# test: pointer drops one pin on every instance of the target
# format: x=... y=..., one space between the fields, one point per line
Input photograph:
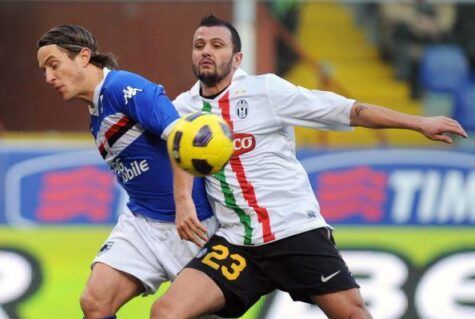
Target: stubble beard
x=211 y=78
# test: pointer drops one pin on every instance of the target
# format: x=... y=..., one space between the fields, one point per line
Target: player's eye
x=218 y=45
x=52 y=64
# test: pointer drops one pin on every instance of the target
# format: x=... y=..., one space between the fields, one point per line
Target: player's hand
x=188 y=225
x=435 y=128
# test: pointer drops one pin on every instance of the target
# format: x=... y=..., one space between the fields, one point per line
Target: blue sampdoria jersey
x=128 y=117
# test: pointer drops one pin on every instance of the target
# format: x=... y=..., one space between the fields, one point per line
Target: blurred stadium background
x=403 y=207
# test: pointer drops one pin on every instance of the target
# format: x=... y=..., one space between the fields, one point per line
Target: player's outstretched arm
x=434 y=128
x=188 y=225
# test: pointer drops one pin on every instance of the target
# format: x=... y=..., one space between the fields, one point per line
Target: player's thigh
x=110 y=286
x=342 y=304
x=145 y=249
x=193 y=293
x=238 y=271
x=309 y=264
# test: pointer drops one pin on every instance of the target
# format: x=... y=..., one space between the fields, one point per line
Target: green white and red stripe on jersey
x=247 y=188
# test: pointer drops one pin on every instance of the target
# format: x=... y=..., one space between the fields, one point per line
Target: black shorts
x=303 y=265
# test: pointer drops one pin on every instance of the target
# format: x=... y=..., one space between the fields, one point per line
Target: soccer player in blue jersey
x=129 y=115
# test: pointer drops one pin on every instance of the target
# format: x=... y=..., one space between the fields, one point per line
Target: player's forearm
x=374 y=116
x=182 y=183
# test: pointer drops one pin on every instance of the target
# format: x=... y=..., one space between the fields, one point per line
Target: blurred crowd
x=431 y=45
x=406 y=29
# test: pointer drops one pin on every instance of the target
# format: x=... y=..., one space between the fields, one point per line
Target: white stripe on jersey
x=119 y=145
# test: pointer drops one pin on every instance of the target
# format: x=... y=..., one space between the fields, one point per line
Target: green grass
x=66 y=252
x=419 y=245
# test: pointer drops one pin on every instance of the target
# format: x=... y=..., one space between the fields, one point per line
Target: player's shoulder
x=187 y=96
x=259 y=82
x=271 y=77
x=259 y=78
x=182 y=97
x=181 y=100
x=121 y=79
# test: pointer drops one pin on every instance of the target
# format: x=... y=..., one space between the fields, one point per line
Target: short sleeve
x=298 y=106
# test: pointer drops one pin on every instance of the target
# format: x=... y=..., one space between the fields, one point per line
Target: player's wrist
x=417 y=123
x=182 y=195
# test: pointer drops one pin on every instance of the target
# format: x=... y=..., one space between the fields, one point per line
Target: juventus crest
x=242 y=109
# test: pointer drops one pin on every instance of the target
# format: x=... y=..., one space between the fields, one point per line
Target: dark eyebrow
x=212 y=39
x=42 y=66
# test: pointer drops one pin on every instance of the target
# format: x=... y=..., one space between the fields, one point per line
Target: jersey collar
x=195 y=90
x=94 y=108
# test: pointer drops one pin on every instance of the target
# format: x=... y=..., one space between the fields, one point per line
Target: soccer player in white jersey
x=129 y=114
x=272 y=234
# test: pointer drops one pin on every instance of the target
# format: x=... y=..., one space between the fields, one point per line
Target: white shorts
x=149 y=250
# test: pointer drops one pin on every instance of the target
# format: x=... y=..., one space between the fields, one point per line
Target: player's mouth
x=59 y=88
x=206 y=63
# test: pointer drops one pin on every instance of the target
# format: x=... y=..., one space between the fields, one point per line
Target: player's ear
x=237 y=58
x=84 y=56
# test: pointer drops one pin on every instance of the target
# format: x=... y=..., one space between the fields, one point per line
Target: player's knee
x=164 y=309
x=93 y=306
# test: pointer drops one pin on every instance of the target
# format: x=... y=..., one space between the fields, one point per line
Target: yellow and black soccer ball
x=200 y=143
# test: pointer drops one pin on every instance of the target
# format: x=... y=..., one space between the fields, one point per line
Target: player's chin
x=207 y=72
x=67 y=97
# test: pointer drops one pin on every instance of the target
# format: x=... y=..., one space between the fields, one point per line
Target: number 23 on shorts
x=220 y=253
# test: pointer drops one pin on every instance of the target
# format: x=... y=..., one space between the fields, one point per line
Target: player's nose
x=206 y=50
x=49 y=76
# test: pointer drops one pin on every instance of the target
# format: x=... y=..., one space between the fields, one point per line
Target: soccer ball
x=200 y=143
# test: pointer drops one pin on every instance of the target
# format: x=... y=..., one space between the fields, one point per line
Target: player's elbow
x=356 y=114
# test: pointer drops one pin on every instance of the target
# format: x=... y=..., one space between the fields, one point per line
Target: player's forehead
x=49 y=52
x=215 y=32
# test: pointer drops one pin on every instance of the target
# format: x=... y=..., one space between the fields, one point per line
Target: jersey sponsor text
x=135 y=169
x=243 y=143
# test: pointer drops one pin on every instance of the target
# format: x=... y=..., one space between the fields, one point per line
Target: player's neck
x=213 y=90
x=93 y=76
x=213 y=95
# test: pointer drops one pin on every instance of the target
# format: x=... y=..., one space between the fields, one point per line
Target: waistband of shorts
x=159 y=221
